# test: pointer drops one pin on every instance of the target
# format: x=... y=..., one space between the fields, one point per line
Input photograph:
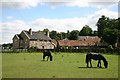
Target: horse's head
x=106 y=64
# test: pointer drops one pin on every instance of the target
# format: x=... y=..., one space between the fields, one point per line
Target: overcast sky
x=59 y=15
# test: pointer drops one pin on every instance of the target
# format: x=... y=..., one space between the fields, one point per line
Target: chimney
x=30 y=31
x=48 y=33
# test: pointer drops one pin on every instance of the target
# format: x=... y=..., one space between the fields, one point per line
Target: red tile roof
x=89 y=41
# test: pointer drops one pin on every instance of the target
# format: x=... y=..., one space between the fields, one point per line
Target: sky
x=58 y=15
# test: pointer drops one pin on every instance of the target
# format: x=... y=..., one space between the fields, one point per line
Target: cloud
x=21 y=4
x=60 y=24
x=92 y=19
x=79 y=3
x=10 y=28
x=73 y=23
x=9 y=17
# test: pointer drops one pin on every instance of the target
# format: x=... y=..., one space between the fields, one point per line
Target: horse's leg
x=98 y=63
x=47 y=58
x=51 y=58
x=90 y=63
x=43 y=57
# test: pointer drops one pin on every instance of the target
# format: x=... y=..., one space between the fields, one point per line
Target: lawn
x=64 y=65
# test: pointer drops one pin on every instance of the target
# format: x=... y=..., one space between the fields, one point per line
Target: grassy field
x=64 y=65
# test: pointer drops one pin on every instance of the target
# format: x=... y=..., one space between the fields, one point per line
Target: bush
x=32 y=49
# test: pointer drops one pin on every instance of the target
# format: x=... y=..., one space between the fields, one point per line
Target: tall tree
x=101 y=24
x=108 y=30
x=86 y=31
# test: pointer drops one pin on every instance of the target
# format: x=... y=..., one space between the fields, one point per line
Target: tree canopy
x=109 y=29
x=86 y=31
x=73 y=35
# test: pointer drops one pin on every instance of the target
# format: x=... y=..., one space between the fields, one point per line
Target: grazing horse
x=98 y=57
x=48 y=54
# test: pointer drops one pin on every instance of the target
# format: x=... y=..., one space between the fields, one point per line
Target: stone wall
x=41 y=44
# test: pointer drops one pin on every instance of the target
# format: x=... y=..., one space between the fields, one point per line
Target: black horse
x=48 y=54
x=98 y=57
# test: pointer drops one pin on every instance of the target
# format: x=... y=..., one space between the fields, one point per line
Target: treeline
x=7 y=46
x=72 y=35
x=107 y=29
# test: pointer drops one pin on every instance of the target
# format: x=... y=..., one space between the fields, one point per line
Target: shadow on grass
x=44 y=60
x=92 y=67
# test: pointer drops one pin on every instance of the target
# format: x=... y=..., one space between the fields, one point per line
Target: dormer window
x=45 y=40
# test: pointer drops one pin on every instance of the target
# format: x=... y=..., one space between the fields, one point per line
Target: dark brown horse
x=48 y=54
x=98 y=57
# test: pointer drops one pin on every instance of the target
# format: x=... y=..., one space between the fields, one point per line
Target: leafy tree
x=101 y=24
x=8 y=45
x=86 y=31
x=46 y=31
x=59 y=36
x=109 y=30
x=110 y=36
x=68 y=33
x=73 y=35
x=118 y=23
x=53 y=35
x=63 y=35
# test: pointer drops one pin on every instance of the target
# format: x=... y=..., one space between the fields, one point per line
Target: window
x=21 y=41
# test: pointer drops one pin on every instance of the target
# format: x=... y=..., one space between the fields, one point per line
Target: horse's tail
x=87 y=58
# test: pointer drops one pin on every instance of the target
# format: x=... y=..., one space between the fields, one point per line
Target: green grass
x=64 y=65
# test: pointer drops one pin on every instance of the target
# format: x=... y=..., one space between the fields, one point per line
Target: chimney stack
x=48 y=33
x=30 y=31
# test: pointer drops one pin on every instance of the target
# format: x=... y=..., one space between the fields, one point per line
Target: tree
x=118 y=23
x=94 y=33
x=53 y=35
x=108 y=30
x=110 y=36
x=68 y=33
x=86 y=31
x=101 y=24
x=73 y=35
x=63 y=35
x=59 y=36
x=7 y=46
x=46 y=31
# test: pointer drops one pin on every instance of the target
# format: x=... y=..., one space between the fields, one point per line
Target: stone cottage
x=27 y=39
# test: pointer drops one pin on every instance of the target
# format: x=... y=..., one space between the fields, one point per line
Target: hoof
x=100 y=67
